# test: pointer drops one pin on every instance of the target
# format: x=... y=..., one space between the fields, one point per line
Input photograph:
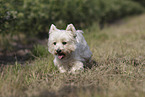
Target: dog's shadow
x=91 y=64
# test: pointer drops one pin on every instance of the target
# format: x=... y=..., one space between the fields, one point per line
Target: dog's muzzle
x=60 y=54
x=58 y=51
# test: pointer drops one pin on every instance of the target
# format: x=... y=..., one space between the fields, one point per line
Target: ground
x=119 y=53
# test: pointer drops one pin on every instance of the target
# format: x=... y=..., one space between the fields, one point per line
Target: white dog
x=69 y=48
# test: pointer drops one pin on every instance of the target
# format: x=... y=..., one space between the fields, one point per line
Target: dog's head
x=62 y=42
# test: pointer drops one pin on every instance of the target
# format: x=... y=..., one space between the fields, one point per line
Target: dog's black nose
x=58 y=51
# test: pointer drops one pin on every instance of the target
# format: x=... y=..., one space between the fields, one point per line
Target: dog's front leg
x=60 y=68
x=77 y=67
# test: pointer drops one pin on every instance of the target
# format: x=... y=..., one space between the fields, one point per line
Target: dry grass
x=119 y=51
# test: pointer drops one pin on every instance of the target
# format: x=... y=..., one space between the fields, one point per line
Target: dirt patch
x=20 y=52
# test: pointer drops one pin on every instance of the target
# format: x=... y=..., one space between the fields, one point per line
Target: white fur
x=76 y=51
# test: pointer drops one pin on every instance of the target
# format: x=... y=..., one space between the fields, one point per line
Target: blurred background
x=25 y=23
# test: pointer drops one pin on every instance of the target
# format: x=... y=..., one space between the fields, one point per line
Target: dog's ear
x=52 y=28
x=71 y=28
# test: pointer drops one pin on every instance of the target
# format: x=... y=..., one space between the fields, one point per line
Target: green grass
x=119 y=51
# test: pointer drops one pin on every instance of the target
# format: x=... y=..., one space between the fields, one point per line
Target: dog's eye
x=64 y=43
x=54 y=43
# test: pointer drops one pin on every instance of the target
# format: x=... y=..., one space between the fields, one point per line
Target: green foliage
x=115 y=9
x=6 y=17
x=142 y=2
x=33 y=16
x=40 y=51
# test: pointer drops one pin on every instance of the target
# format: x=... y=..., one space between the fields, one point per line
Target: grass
x=119 y=51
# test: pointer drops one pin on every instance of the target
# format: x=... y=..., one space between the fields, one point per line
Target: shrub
x=6 y=17
x=115 y=9
x=34 y=16
x=142 y=2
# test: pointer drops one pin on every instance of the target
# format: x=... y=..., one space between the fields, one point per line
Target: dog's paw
x=75 y=70
x=61 y=70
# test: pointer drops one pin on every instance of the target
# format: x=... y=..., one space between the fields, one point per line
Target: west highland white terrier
x=69 y=48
